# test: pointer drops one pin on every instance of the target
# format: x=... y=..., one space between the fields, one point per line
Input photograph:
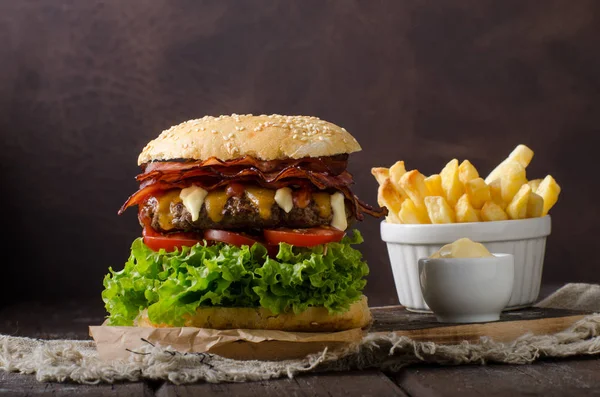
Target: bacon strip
x=213 y=173
x=333 y=165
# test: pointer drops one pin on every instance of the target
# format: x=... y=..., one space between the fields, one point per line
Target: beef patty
x=237 y=213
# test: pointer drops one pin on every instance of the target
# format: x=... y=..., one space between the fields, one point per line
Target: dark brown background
x=85 y=84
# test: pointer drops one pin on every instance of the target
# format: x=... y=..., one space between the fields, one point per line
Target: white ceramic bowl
x=525 y=239
x=467 y=290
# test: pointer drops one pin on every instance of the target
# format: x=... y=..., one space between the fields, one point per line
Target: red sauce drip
x=235 y=190
x=301 y=198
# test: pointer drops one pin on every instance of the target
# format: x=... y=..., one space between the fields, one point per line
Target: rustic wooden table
x=571 y=377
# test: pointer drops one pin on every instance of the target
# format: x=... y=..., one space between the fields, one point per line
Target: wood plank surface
x=14 y=384
x=573 y=377
x=355 y=383
x=512 y=324
x=52 y=320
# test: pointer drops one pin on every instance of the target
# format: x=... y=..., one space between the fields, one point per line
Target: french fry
x=409 y=213
x=493 y=212
x=434 y=185
x=496 y=193
x=517 y=209
x=465 y=211
x=451 y=185
x=534 y=184
x=438 y=210
x=478 y=192
x=396 y=172
x=413 y=184
x=459 y=194
x=511 y=180
x=535 y=205
x=521 y=154
x=467 y=172
x=549 y=190
x=392 y=218
x=380 y=174
x=388 y=196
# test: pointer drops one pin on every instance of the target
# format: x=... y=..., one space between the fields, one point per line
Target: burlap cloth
x=77 y=361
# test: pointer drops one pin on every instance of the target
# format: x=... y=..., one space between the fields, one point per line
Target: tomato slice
x=304 y=237
x=155 y=241
x=232 y=238
x=238 y=240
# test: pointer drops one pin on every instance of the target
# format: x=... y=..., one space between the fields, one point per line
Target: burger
x=246 y=224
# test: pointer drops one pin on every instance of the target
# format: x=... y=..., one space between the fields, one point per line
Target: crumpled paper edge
x=114 y=342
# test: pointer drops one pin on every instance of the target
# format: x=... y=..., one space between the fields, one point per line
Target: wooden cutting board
x=512 y=324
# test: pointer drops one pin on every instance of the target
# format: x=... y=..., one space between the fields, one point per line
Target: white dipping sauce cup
x=467 y=290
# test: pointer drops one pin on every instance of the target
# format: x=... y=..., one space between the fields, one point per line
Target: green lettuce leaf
x=173 y=284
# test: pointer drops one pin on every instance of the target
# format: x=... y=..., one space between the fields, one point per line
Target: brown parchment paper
x=242 y=344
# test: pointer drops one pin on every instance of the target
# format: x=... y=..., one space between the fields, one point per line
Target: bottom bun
x=313 y=319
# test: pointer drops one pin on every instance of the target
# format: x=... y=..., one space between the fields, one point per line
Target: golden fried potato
x=467 y=172
x=434 y=185
x=511 y=179
x=388 y=196
x=496 y=193
x=534 y=184
x=396 y=172
x=549 y=190
x=478 y=192
x=465 y=211
x=517 y=208
x=451 y=185
x=459 y=194
x=521 y=154
x=438 y=210
x=410 y=213
x=380 y=174
x=493 y=212
x=413 y=184
x=535 y=205
x=392 y=218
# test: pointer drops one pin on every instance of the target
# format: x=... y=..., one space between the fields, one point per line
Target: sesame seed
x=230 y=148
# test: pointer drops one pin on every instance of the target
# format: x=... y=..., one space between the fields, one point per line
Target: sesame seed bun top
x=273 y=137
